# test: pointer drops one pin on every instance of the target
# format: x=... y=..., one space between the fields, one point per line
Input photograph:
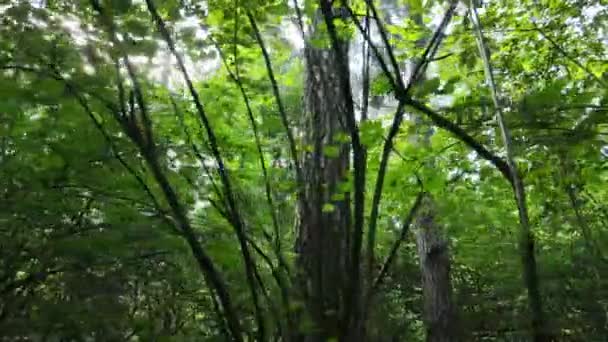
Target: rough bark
x=433 y=253
x=323 y=237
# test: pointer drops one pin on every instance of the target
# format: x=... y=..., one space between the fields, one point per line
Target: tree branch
x=237 y=220
x=395 y=248
x=397 y=119
x=281 y=107
x=526 y=243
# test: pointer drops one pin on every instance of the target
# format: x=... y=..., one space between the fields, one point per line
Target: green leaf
x=331 y=151
x=341 y=137
x=328 y=208
x=337 y=197
x=371 y=132
x=427 y=87
x=415 y=6
x=215 y=17
x=120 y=6
x=544 y=97
x=380 y=85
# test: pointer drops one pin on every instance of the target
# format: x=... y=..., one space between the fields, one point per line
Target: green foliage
x=91 y=246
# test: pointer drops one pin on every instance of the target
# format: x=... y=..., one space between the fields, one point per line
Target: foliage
x=108 y=163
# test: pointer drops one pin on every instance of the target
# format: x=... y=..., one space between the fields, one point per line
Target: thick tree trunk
x=323 y=240
x=434 y=258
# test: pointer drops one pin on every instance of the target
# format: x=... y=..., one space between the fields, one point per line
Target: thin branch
x=237 y=220
x=378 y=56
x=433 y=46
x=39 y=277
x=383 y=35
x=394 y=129
x=526 y=235
x=281 y=107
x=73 y=90
x=205 y=263
x=283 y=286
x=276 y=242
x=139 y=179
x=395 y=248
x=437 y=119
x=462 y=135
x=598 y=205
x=258 y=143
x=366 y=68
x=143 y=131
x=564 y=53
x=197 y=152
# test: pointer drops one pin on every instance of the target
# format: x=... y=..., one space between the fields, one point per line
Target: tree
x=325 y=230
x=435 y=266
x=251 y=170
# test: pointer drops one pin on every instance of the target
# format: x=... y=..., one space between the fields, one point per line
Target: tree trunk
x=433 y=248
x=435 y=268
x=323 y=237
